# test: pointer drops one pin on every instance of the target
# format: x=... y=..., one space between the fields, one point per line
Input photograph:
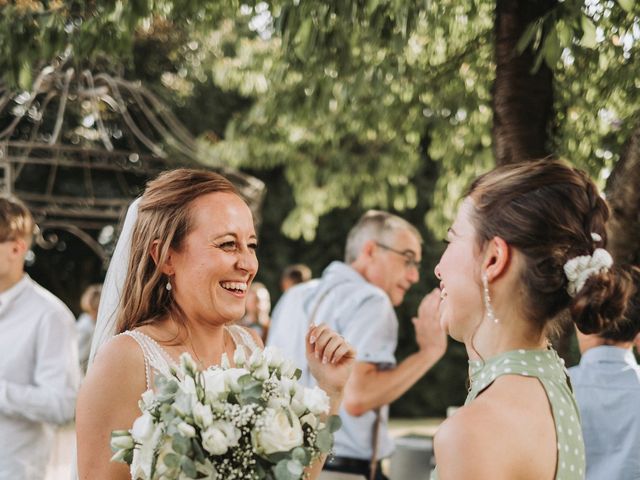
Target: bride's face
x=217 y=261
x=461 y=307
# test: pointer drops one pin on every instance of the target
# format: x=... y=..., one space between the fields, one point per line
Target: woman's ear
x=166 y=266
x=497 y=258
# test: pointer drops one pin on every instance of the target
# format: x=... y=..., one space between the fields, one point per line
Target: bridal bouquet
x=253 y=421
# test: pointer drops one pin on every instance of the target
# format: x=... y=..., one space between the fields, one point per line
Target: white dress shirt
x=39 y=377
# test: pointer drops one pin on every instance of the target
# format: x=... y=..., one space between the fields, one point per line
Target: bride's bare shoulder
x=120 y=358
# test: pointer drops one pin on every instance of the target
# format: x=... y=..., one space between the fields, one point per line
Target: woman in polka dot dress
x=527 y=245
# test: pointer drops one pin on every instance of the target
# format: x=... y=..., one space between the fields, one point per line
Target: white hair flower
x=580 y=268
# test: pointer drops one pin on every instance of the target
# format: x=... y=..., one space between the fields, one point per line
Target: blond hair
x=15 y=220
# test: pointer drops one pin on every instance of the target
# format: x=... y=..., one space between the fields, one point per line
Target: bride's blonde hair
x=165 y=216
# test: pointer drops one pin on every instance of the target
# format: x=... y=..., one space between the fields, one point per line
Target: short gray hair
x=375 y=225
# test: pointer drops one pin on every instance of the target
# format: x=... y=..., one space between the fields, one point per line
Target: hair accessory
x=487 y=299
x=579 y=269
x=596 y=237
x=168 y=286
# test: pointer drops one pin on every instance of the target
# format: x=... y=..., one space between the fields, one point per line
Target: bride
x=192 y=258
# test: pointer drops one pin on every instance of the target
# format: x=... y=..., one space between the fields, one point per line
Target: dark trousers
x=352 y=465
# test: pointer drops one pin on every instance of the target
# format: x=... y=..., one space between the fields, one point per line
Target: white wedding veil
x=113 y=283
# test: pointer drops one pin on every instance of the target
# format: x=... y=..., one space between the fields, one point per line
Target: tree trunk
x=623 y=196
x=522 y=101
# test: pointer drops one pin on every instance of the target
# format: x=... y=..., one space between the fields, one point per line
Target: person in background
x=257 y=316
x=607 y=387
x=356 y=298
x=39 y=371
x=86 y=323
x=293 y=275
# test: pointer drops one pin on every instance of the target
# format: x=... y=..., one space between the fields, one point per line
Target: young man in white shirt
x=39 y=371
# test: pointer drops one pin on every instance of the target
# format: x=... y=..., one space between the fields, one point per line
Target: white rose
x=239 y=357
x=316 y=400
x=309 y=419
x=187 y=430
x=273 y=357
x=232 y=376
x=280 y=432
x=214 y=383
x=219 y=437
x=202 y=415
x=297 y=400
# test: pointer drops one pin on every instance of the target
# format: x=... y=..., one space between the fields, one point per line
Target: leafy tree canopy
x=341 y=94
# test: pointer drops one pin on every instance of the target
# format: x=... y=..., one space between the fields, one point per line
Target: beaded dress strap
x=242 y=337
x=155 y=357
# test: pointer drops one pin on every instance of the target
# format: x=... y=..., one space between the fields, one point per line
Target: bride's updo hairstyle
x=164 y=214
x=552 y=213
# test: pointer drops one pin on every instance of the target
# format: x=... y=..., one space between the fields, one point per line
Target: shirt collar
x=342 y=271
x=608 y=354
x=7 y=296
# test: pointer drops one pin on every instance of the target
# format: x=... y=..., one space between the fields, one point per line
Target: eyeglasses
x=409 y=257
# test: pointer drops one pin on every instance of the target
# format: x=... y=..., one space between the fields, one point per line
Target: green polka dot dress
x=549 y=369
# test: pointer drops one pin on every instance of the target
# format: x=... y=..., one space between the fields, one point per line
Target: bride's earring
x=487 y=299
x=168 y=286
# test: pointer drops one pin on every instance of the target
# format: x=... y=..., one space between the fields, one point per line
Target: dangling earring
x=487 y=299
x=168 y=285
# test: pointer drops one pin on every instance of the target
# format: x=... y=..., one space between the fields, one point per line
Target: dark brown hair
x=548 y=211
x=164 y=214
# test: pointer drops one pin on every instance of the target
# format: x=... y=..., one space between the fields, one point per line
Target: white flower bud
x=187 y=430
x=273 y=357
x=239 y=357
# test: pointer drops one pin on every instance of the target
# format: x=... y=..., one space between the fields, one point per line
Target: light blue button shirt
x=607 y=387
x=363 y=314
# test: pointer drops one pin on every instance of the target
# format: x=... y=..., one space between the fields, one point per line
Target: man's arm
x=52 y=395
x=369 y=387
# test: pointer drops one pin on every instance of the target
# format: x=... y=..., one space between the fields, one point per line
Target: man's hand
x=430 y=337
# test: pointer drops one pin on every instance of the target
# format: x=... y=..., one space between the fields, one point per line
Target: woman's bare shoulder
x=118 y=369
x=494 y=432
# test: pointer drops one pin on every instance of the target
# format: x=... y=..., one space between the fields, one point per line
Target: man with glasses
x=357 y=298
x=39 y=370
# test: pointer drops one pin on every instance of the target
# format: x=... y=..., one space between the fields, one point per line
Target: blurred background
x=317 y=110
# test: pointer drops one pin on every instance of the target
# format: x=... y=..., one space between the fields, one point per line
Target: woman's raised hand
x=330 y=358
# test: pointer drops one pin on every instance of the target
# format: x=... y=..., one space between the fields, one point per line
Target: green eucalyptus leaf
x=171 y=460
x=334 y=423
x=188 y=467
x=180 y=444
